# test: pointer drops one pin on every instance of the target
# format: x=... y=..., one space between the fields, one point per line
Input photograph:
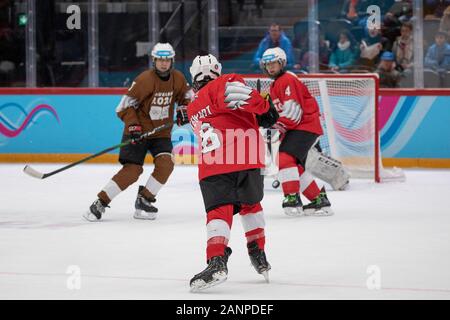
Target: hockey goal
x=349 y=116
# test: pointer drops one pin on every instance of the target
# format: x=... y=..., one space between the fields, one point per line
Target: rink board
x=63 y=125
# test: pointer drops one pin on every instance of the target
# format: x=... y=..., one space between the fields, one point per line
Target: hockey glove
x=135 y=133
x=268 y=119
x=182 y=116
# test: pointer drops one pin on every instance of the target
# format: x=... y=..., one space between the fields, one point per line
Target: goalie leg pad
x=328 y=169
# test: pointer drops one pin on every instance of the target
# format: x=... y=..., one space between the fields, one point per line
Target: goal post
x=349 y=115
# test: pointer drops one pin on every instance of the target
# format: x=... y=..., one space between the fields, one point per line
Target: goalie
x=317 y=163
x=299 y=129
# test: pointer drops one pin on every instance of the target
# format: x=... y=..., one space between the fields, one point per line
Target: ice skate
x=95 y=211
x=258 y=259
x=215 y=273
x=292 y=205
x=320 y=206
x=144 y=208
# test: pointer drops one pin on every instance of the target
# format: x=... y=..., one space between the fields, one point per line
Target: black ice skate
x=292 y=205
x=144 y=208
x=259 y=260
x=95 y=211
x=215 y=273
x=320 y=206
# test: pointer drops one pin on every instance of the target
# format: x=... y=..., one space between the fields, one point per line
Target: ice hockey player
x=223 y=113
x=149 y=103
x=299 y=127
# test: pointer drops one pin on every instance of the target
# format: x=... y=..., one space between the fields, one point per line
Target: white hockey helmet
x=271 y=55
x=204 y=69
x=163 y=51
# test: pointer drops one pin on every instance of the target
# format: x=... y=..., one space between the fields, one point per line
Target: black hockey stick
x=36 y=174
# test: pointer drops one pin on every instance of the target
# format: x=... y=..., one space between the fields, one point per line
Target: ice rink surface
x=394 y=234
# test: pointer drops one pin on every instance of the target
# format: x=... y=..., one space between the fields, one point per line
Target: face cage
x=166 y=73
x=282 y=70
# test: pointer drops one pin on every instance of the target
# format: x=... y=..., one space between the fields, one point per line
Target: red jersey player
x=226 y=115
x=300 y=128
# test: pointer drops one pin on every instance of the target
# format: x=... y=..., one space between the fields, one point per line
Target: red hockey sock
x=218 y=226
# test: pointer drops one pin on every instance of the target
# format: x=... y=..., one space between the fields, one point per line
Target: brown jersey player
x=149 y=103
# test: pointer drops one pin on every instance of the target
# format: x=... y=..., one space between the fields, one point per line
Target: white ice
x=395 y=234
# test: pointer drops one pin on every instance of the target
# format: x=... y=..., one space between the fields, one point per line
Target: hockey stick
x=36 y=174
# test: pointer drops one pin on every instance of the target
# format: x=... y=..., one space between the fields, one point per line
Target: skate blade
x=147 y=216
x=322 y=212
x=199 y=285
x=294 y=212
x=90 y=217
x=266 y=275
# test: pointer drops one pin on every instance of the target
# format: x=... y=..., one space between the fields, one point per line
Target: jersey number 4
x=210 y=139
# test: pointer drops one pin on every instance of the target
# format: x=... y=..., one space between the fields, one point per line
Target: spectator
x=444 y=26
x=403 y=48
x=400 y=11
x=371 y=46
x=438 y=54
x=353 y=10
x=275 y=38
x=343 y=56
x=434 y=9
x=389 y=77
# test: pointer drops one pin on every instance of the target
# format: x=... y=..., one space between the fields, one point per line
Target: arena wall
x=67 y=124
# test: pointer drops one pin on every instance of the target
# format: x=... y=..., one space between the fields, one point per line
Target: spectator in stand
x=389 y=76
x=438 y=54
x=343 y=57
x=275 y=38
x=372 y=45
x=353 y=10
x=444 y=26
x=403 y=48
x=434 y=9
x=400 y=11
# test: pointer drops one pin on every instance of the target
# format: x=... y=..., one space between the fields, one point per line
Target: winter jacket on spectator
x=284 y=43
x=438 y=57
x=343 y=58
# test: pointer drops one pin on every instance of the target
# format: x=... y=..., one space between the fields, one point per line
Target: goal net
x=349 y=115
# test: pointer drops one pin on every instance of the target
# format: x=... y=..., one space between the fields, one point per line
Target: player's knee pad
x=286 y=160
x=128 y=175
x=164 y=165
x=250 y=208
x=224 y=212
